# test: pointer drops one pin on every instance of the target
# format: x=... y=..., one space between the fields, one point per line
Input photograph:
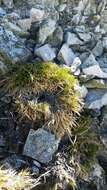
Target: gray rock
x=90 y=61
x=91 y=67
x=36 y=14
x=96 y=99
x=2 y=12
x=75 y=65
x=40 y=145
x=86 y=37
x=105 y=43
x=72 y=39
x=12 y=47
x=25 y=24
x=56 y=38
x=96 y=71
x=98 y=49
x=46 y=30
x=8 y=3
x=66 y=55
x=45 y=52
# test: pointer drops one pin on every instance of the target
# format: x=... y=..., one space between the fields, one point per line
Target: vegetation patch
x=45 y=92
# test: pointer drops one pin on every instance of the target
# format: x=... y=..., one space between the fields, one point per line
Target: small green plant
x=46 y=92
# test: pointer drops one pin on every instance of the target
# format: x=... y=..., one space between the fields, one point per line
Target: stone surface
x=40 y=145
x=46 y=53
x=96 y=99
x=8 y=3
x=25 y=24
x=91 y=67
x=95 y=70
x=66 y=55
x=12 y=47
x=36 y=14
x=2 y=12
x=46 y=30
x=72 y=39
x=98 y=49
x=76 y=63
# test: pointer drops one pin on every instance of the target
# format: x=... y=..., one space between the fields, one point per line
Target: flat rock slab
x=40 y=145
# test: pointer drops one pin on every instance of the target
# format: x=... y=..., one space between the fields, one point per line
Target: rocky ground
x=72 y=33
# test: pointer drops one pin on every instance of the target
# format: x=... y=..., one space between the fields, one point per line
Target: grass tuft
x=46 y=92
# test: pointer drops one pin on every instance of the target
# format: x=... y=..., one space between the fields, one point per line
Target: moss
x=45 y=85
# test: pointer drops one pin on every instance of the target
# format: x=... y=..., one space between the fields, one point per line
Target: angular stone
x=8 y=3
x=72 y=39
x=96 y=71
x=40 y=145
x=25 y=24
x=96 y=99
x=46 y=30
x=66 y=55
x=76 y=63
x=45 y=52
x=36 y=14
x=98 y=49
x=90 y=61
x=12 y=47
x=2 y=12
x=86 y=37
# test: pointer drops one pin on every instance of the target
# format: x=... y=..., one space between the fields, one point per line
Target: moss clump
x=46 y=91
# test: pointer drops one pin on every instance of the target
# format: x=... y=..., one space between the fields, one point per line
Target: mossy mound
x=45 y=92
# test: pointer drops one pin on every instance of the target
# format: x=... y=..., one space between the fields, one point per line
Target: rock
x=12 y=47
x=56 y=38
x=91 y=67
x=90 y=61
x=83 y=91
x=98 y=49
x=97 y=173
x=72 y=39
x=36 y=14
x=95 y=70
x=2 y=12
x=96 y=83
x=86 y=37
x=40 y=145
x=105 y=43
x=15 y=162
x=96 y=99
x=46 y=30
x=45 y=52
x=66 y=55
x=8 y=3
x=25 y=24
x=76 y=63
